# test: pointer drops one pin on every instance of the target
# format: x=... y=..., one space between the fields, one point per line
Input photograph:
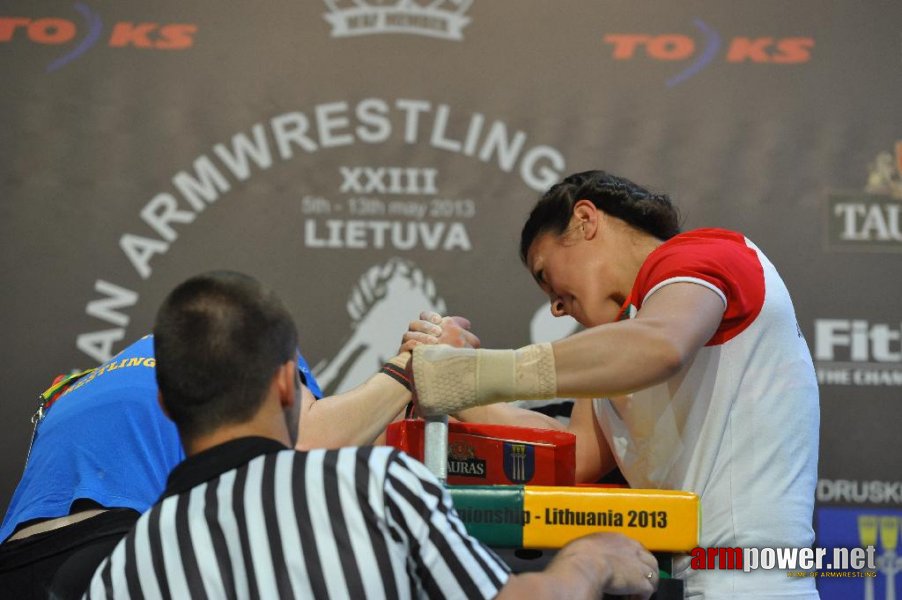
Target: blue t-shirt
x=106 y=439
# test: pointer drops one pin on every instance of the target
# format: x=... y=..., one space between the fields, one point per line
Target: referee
x=244 y=516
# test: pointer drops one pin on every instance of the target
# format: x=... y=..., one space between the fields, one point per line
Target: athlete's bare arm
x=615 y=359
x=594 y=458
x=359 y=416
x=353 y=418
x=623 y=357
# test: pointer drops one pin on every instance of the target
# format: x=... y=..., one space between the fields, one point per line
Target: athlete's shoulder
x=142 y=347
x=717 y=252
x=708 y=238
x=724 y=261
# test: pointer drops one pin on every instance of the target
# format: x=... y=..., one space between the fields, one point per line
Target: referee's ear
x=286 y=383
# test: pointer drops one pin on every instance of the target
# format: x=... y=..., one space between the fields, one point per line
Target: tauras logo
x=869 y=220
x=865 y=220
x=462 y=461
x=845 y=491
x=471 y=467
x=885 y=174
x=443 y=19
x=857 y=352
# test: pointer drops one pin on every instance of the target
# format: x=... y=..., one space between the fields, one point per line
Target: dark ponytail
x=652 y=213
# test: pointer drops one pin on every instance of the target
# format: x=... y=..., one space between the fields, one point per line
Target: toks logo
x=681 y=47
x=442 y=19
x=56 y=31
x=869 y=221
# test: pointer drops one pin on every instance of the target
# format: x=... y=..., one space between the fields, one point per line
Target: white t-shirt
x=738 y=426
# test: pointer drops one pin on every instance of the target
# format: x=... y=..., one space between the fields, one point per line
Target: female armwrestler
x=700 y=376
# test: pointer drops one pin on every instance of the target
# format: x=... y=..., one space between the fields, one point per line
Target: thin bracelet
x=396 y=373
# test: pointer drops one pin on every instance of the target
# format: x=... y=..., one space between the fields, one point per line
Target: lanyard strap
x=46 y=400
x=60 y=384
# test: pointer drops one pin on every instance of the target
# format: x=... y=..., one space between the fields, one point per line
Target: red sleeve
x=717 y=259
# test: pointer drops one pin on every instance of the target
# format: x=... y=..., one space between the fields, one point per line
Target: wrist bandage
x=451 y=379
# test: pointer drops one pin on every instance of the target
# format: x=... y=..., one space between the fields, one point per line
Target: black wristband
x=396 y=373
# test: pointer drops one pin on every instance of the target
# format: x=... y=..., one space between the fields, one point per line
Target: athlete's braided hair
x=616 y=196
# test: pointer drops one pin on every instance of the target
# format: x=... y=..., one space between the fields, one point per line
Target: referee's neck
x=269 y=422
x=229 y=433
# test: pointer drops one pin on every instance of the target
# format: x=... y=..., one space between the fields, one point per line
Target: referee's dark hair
x=219 y=339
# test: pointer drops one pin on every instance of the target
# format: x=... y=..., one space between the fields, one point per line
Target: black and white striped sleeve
x=446 y=560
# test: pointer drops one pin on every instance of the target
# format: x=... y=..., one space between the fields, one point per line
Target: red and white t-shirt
x=739 y=425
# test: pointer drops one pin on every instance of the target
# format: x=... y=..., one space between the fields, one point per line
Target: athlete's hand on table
x=432 y=328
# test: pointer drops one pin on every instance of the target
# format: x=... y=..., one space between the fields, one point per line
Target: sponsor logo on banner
x=705 y=47
x=869 y=221
x=463 y=462
x=78 y=35
x=444 y=19
x=876 y=530
x=858 y=352
x=398 y=207
x=850 y=491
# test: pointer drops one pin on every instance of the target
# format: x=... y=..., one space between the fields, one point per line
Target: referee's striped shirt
x=251 y=519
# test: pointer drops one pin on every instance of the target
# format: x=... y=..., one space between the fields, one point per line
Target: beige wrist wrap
x=451 y=379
